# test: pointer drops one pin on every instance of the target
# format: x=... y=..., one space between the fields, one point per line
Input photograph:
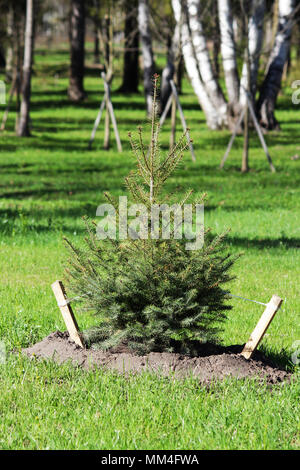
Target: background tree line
x=229 y=48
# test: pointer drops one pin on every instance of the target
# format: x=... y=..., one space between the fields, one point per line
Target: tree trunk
x=272 y=82
x=192 y=67
x=255 y=40
x=96 y=19
x=148 y=59
x=130 y=82
x=245 y=158
x=77 y=33
x=170 y=70
x=216 y=40
x=9 y=50
x=202 y=56
x=228 y=51
x=23 y=125
x=96 y=46
x=2 y=59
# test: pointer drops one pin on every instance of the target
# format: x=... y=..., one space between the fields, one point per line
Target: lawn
x=48 y=182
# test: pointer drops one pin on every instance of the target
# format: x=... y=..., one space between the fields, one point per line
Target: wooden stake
x=234 y=134
x=110 y=115
x=67 y=313
x=11 y=95
x=106 y=140
x=97 y=122
x=183 y=122
x=258 y=130
x=174 y=98
x=173 y=125
x=166 y=110
x=260 y=135
x=110 y=109
x=263 y=324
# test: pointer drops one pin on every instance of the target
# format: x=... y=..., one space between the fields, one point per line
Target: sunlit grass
x=48 y=182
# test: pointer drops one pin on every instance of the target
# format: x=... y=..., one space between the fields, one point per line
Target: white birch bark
x=23 y=128
x=255 y=41
x=192 y=67
x=272 y=81
x=203 y=58
x=228 y=50
x=147 y=51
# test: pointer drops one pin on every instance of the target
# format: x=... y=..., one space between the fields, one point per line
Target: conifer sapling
x=151 y=294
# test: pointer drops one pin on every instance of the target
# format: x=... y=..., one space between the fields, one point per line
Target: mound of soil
x=212 y=362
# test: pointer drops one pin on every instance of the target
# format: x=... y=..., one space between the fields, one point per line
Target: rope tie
x=68 y=301
x=248 y=300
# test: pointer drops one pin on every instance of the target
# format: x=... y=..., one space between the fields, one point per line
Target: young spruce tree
x=151 y=294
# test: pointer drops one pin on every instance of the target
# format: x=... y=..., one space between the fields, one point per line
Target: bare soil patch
x=212 y=362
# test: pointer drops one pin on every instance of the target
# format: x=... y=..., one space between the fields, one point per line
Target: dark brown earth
x=212 y=362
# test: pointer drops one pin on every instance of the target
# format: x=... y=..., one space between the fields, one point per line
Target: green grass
x=47 y=183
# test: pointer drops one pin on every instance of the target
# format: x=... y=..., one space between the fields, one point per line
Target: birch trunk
x=203 y=59
x=228 y=50
x=192 y=67
x=23 y=125
x=255 y=41
x=147 y=51
x=272 y=82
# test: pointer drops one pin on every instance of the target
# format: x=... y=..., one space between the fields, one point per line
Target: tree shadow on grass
x=281 y=359
x=264 y=243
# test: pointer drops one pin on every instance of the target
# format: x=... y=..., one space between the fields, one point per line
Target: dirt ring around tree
x=212 y=362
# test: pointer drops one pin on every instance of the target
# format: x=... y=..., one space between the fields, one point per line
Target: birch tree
x=147 y=51
x=255 y=40
x=203 y=58
x=23 y=125
x=214 y=121
x=228 y=50
x=272 y=82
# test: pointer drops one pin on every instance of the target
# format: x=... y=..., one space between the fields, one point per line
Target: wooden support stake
x=263 y=324
x=97 y=122
x=234 y=134
x=166 y=110
x=258 y=130
x=106 y=103
x=183 y=122
x=67 y=313
x=110 y=109
x=11 y=94
x=260 y=135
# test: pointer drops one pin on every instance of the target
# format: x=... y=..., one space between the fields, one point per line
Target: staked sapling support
x=67 y=313
x=257 y=128
x=106 y=103
x=174 y=99
x=263 y=324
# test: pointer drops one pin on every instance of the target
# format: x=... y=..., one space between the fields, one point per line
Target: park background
x=49 y=180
